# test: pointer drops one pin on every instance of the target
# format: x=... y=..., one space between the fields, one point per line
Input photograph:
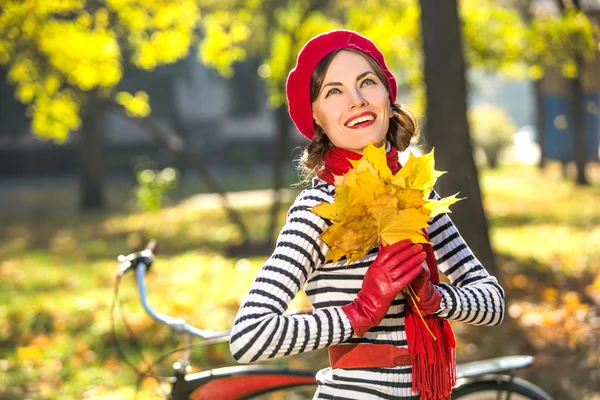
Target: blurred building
x=558 y=118
x=226 y=122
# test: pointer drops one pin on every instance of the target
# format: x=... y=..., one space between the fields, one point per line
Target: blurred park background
x=125 y=120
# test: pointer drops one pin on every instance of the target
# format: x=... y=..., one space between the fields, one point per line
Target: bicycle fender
x=499 y=382
x=237 y=383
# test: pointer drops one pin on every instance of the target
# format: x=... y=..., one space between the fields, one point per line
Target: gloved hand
x=428 y=296
x=394 y=268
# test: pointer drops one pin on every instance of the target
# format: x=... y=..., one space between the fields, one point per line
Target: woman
x=342 y=97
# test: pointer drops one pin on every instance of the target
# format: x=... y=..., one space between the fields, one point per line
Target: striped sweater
x=262 y=331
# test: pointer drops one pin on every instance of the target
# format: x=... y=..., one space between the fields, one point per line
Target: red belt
x=368 y=356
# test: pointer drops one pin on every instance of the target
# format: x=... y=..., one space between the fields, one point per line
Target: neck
x=337 y=162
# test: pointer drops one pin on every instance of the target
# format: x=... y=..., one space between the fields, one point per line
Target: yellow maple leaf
x=418 y=173
x=410 y=198
x=404 y=224
x=371 y=205
x=351 y=239
x=375 y=159
x=441 y=206
x=366 y=187
x=326 y=210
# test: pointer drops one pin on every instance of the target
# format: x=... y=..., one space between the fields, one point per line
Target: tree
x=563 y=41
x=149 y=34
x=447 y=128
x=278 y=29
x=576 y=94
x=66 y=59
x=494 y=39
x=492 y=130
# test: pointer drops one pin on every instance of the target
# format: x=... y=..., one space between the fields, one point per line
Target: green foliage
x=396 y=32
x=491 y=129
x=152 y=187
x=559 y=40
x=493 y=39
x=493 y=36
x=286 y=47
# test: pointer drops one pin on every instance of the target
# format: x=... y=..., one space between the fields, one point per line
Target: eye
x=332 y=91
x=367 y=82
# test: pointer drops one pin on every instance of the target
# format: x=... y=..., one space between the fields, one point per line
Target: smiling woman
x=354 y=109
x=342 y=96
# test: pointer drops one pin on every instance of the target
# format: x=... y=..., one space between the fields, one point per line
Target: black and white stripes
x=261 y=331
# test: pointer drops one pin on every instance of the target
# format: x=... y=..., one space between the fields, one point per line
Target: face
x=353 y=106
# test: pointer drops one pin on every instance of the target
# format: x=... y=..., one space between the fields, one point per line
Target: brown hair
x=403 y=126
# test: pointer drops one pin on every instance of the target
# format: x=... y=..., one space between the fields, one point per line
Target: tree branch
x=176 y=145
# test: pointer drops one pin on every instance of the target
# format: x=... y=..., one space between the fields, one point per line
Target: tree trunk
x=578 y=125
x=91 y=158
x=492 y=158
x=447 y=126
x=577 y=109
x=281 y=144
x=564 y=168
x=540 y=125
x=282 y=120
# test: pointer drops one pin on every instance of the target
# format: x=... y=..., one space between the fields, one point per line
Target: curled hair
x=403 y=126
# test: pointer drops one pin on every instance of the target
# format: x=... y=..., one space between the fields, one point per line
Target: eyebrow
x=358 y=78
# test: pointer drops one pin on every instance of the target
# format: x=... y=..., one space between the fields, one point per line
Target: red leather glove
x=428 y=296
x=394 y=268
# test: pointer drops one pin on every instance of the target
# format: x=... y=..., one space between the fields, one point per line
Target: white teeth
x=361 y=119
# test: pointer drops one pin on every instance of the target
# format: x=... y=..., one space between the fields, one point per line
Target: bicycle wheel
x=500 y=388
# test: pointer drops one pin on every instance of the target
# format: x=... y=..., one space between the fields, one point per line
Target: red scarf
x=433 y=361
x=337 y=162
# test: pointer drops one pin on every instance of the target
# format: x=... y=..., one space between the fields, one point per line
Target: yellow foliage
x=372 y=206
x=284 y=46
x=56 y=51
x=136 y=105
x=29 y=353
x=226 y=35
x=55 y=116
x=86 y=58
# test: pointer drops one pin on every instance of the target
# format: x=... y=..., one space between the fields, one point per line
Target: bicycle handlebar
x=177 y=324
x=141 y=261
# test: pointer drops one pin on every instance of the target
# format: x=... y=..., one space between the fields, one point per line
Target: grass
x=549 y=220
x=57 y=272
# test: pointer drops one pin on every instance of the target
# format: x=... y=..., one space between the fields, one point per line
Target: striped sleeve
x=474 y=296
x=261 y=330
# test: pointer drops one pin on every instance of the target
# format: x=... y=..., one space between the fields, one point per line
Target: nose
x=356 y=100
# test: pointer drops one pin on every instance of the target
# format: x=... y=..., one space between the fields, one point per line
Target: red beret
x=298 y=82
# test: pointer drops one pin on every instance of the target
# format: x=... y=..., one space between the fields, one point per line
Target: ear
x=317 y=120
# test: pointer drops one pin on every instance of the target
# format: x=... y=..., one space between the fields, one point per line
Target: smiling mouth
x=361 y=121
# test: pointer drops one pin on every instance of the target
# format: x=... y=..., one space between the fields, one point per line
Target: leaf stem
x=413 y=296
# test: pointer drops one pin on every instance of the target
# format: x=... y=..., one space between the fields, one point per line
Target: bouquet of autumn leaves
x=372 y=206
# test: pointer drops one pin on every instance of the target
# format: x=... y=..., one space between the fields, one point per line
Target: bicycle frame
x=496 y=373
x=243 y=382
x=222 y=383
x=239 y=382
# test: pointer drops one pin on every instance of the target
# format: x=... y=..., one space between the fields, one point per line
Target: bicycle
x=480 y=380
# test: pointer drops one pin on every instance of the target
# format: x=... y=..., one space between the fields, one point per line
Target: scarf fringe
x=433 y=361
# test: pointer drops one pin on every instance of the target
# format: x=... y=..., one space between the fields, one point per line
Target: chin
x=377 y=141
